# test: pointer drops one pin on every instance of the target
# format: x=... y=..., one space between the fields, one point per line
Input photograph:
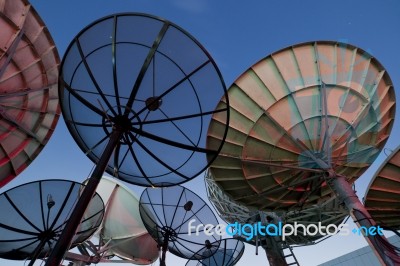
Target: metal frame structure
x=329 y=212
x=90 y=252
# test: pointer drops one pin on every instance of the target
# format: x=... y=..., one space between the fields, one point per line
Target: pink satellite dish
x=382 y=199
x=306 y=122
x=29 y=108
x=122 y=231
x=296 y=115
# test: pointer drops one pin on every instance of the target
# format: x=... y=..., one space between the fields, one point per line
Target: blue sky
x=237 y=34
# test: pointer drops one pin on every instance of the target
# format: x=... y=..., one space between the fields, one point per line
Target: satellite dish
x=382 y=199
x=297 y=114
x=122 y=231
x=229 y=253
x=34 y=215
x=154 y=84
x=29 y=108
x=307 y=121
x=147 y=90
x=167 y=214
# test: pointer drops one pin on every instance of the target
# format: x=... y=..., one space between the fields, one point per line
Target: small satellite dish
x=175 y=217
x=296 y=115
x=382 y=199
x=229 y=253
x=29 y=108
x=122 y=231
x=34 y=215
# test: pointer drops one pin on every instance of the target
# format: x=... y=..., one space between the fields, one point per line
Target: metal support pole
x=272 y=248
x=76 y=216
x=274 y=253
x=37 y=251
x=164 y=249
x=361 y=216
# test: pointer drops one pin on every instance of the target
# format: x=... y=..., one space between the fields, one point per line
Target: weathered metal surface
x=382 y=199
x=297 y=113
x=29 y=108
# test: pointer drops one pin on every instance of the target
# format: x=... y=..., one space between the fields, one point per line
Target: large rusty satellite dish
x=296 y=114
x=382 y=199
x=29 y=108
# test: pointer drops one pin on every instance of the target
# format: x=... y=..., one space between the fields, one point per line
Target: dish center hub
x=153 y=103
x=123 y=123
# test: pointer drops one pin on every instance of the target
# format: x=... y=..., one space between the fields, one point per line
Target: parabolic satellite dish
x=122 y=231
x=382 y=199
x=29 y=108
x=296 y=114
x=34 y=215
x=228 y=254
x=151 y=84
x=175 y=217
x=134 y=90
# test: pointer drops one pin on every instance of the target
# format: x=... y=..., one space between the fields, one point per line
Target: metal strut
x=76 y=216
x=274 y=248
x=362 y=218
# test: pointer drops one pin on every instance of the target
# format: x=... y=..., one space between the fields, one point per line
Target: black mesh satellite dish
x=167 y=214
x=154 y=84
x=139 y=89
x=34 y=215
x=229 y=253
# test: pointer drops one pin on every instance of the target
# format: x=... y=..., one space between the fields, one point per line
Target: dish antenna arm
x=164 y=249
x=74 y=220
x=360 y=215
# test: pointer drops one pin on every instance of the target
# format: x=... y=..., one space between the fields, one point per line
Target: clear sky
x=237 y=34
